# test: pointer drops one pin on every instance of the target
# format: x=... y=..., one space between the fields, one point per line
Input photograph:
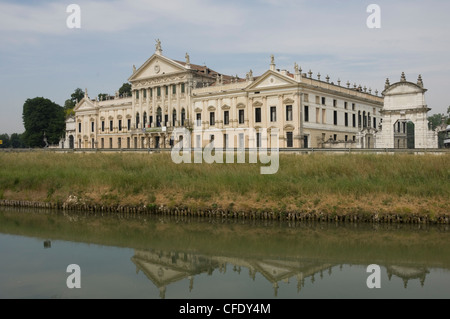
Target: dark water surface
x=154 y=257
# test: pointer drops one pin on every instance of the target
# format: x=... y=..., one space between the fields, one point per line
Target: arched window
x=137 y=120
x=144 y=119
x=183 y=116
x=174 y=117
x=158 y=117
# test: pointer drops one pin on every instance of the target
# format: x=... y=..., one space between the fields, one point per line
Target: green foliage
x=40 y=115
x=13 y=141
x=77 y=96
x=102 y=96
x=125 y=88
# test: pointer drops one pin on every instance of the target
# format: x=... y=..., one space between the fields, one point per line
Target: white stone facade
x=168 y=94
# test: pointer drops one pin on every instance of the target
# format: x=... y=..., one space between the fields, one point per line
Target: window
x=241 y=116
x=335 y=103
x=92 y=127
x=199 y=119
x=241 y=140
x=353 y=106
x=345 y=105
x=317 y=99
x=128 y=142
x=110 y=126
x=103 y=126
x=198 y=141
x=182 y=87
x=92 y=143
x=120 y=125
x=354 y=119
x=374 y=122
x=258 y=139
x=289 y=139
x=128 y=124
x=324 y=116
x=359 y=118
x=346 y=138
x=137 y=94
x=288 y=112
x=174 y=117
x=167 y=90
x=323 y=101
x=306 y=113
x=110 y=142
x=102 y=142
x=144 y=93
x=79 y=127
x=273 y=114
x=158 y=117
x=335 y=137
x=226 y=117
x=137 y=120
x=144 y=118
x=174 y=89
x=119 y=142
x=346 y=119
x=211 y=118
x=258 y=115
x=183 y=116
x=306 y=97
x=166 y=119
x=151 y=92
x=158 y=91
x=335 y=118
x=150 y=120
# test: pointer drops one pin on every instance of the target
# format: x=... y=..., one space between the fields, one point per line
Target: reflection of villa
x=165 y=268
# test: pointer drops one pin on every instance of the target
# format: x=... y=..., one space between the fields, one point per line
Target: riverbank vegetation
x=328 y=183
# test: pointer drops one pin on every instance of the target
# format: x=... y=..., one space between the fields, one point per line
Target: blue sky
x=41 y=56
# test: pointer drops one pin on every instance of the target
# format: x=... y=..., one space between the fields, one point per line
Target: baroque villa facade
x=169 y=94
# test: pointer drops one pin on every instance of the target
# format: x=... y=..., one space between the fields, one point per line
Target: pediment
x=289 y=127
x=257 y=103
x=225 y=107
x=198 y=110
x=84 y=104
x=155 y=66
x=240 y=106
x=403 y=88
x=211 y=108
x=271 y=79
x=288 y=101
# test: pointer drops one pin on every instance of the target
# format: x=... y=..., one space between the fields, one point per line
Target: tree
x=125 y=89
x=16 y=140
x=42 y=116
x=77 y=96
x=102 y=96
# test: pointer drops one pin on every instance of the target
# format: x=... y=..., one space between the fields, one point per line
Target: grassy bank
x=401 y=183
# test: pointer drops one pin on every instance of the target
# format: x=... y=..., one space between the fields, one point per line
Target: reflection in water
x=173 y=251
x=164 y=268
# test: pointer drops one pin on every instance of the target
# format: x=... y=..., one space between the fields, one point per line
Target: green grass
x=119 y=177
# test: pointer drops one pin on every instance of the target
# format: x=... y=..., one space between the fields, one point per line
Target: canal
x=171 y=257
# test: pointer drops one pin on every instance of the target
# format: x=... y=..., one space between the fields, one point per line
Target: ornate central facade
x=167 y=94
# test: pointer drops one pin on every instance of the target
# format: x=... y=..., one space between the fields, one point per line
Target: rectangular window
x=174 y=119
x=158 y=91
x=151 y=92
x=166 y=119
x=199 y=119
x=346 y=138
x=374 y=123
x=335 y=137
x=306 y=97
x=211 y=118
x=119 y=141
x=137 y=94
x=226 y=117
x=335 y=118
x=182 y=87
x=317 y=99
x=346 y=119
x=241 y=116
x=128 y=124
x=151 y=120
x=241 y=140
x=110 y=126
x=103 y=126
x=92 y=127
x=289 y=139
x=306 y=113
x=353 y=106
x=120 y=125
x=174 y=89
x=128 y=142
x=324 y=116
x=258 y=139
x=273 y=114
x=144 y=93
x=110 y=142
x=288 y=112
x=354 y=120
x=79 y=127
x=323 y=101
x=167 y=90
x=335 y=103
x=102 y=143
x=345 y=105
x=258 y=115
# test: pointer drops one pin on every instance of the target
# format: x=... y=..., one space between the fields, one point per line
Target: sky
x=41 y=56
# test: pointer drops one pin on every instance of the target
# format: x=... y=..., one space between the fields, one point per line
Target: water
x=185 y=258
